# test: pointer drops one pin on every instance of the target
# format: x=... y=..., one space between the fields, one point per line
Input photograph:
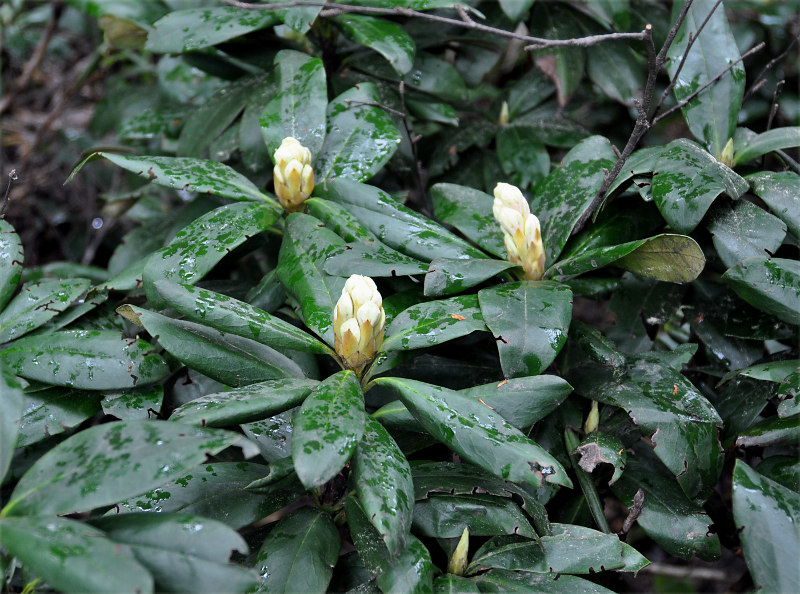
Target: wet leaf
x=454 y=584
x=72 y=556
x=385 y=37
x=299 y=553
x=761 y=144
x=502 y=580
x=136 y=403
x=52 y=411
x=433 y=322
x=433 y=75
x=11 y=258
x=273 y=435
x=127 y=458
x=411 y=572
x=37 y=303
x=529 y=321
x=85 y=359
x=298 y=107
x=477 y=433
x=11 y=409
x=450 y=275
x=784 y=470
x=771 y=432
x=769 y=284
x=443 y=113
x=373 y=259
x=525 y=161
x=624 y=80
x=743 y=231
x=446 y=516
x=469 y=211
x=338 y=219
x=781 y=192
x=767 y=515
x=602 y=448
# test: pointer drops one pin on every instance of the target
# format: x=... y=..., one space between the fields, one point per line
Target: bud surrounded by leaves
x=358 y=322
x=293 y=174
x=522 y=233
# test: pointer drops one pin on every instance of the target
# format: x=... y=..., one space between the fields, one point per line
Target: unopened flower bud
x=358 y=322
x=726 y=156
x=504 y=115
x=293 y=174
x=522 y=234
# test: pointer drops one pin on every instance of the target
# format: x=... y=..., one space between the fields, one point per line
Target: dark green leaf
x=686 y=182
x=768 y=514
x=451 y=275
x=769 y=284
x=433 y=75
x=338 y=219
x=774 y=371
x=412 y=572
x=478 y=434
x=360 y=138
x=182 y=552
x=516 y=10
x=382 y=479
x=374 y=259
x=781 y=192
x=37 y=303
x=241 y=405
x=525 y=161
x=11 y=257
x=328 y=428
x=433 y=322
x=72 y=556
x=299 y=554
x=771 y=140
x=712 y=114
x=617 y=70
x=53 y=411
x=136 y=403
x=477 y=132
x=563 y=64
x=273 y=435
x=446 y=516
x=197 y=28
x=11 y=409
x=469 y=211
x=529 y=320
x=784 y=470
x=641 y=161
x=86 y=359
x=771 y=432
x=435 y=112
x=127 y=458
x=551 y=131
x=743 y=231
x=502 y=580
x=385 y=37
x=454 y=584
x=298 y=107
x=151 y=123
x=602 y=448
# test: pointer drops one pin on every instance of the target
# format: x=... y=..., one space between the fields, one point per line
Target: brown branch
x=760 y=80
x=12 y=177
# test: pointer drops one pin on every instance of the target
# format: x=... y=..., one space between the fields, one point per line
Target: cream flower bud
x=358 y=322
x=293 y=174
x=522 y=234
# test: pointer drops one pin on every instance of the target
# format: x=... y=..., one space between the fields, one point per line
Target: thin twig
x=332 y=10
x=760 y=80
x=12 y=177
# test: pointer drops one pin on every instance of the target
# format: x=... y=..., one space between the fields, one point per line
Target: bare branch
x=585 y=41
x=12 y=177
x=760 y=80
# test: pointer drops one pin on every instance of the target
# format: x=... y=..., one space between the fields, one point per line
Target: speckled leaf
x=761 y=144
x=412 y=572
x=773 y=431
x=712 y=114
x=338 y=219
x=373 y=259
x=382 y=479
x=743 y=230
x=305 y=248
x=151 y=123
x=524 y=160
x=529 y=320
x=444 y=113
x=136 y=403
x=396 y=225
x=11 y=257
x=470 y=211
x=216 y=491
x=503 y=580
x=435 y=76
x=454 y=584
x=273 y=435
x=37 y=303
x=72 y=556
x=199 y=246
x=477 y=433
x=563 y=196
x=298 y=555
x=196 y=28
x=246 y=404
x=769 y=284
x=11 y=409
x=228 y=358
x=385 y=37
x=446 y=516
x=781 y=192
x=53 y=411
x=360 y=139
x=687 y=180
x=87 y=359
x=447 y=276
x=774 y=371
x=236 y=317
x=433 y=322
x=328 y=428
x=767 y=515
x=181 y=551
x=298 y=107
x=126 y=458
x=602 y=448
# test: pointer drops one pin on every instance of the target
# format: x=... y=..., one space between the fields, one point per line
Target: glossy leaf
x=327 y=429
x=127 y=458
x=443 y=113
x=767 y=514
x=182 y=551
x=745 y=231
x=299 y=553
x=617 y=70
x=72 y=556
x=236 y=317
x=433 y=75
x=11 y=258
x=502 y=580
x=781 y=192
x=761 y=144
x=385 y=37
x=412 y=571
x=246 y=404
x=37 y=303
x=469 y=211
x=382 y=479
x=771 y=432
x=548 y=130
x=525 y=161
x=433 y=322
x=11 y=409
x=133 y=404
x=373 y=259
x=86 y=359
x=450 y=275
x=477 y=433
x=273 y=435
x=298 y=107
x=52 y=411
x=529 y=321
x=712 y=114
x=360 y=139
x=197 y=28
x=338 y=219
x=687 y=180
x=563 y=196
x=602 y=448
x=454 y=584
x=769 y=284
x=446 y=516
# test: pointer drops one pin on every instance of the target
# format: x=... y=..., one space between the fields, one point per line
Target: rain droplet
x=97 y=222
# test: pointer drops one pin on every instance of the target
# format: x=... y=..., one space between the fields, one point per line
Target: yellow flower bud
x=503 y=119
x=358 y=322
x=293 y=174
x=726 y=156
x=522 y=234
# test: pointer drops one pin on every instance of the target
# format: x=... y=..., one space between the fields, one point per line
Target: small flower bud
x=522 y=234
x=293 y=174
x=503 y=119
x=458 y=560
x=358 y=322
x=726 y=156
